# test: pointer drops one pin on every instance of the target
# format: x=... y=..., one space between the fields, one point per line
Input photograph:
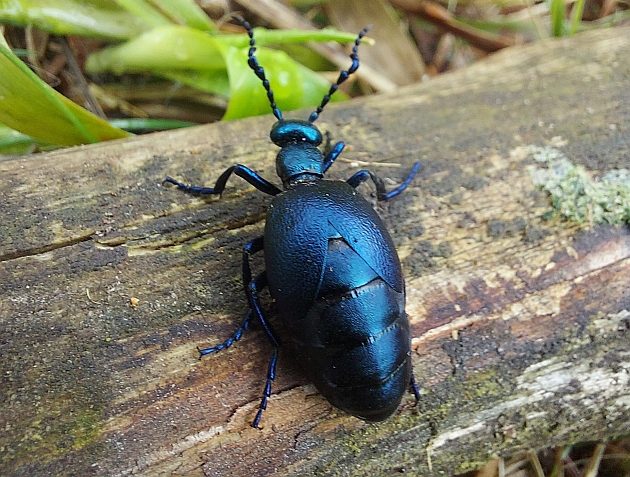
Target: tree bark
x=520 y=320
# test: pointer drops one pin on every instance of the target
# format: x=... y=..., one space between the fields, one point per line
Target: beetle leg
x=231 y=340
x=413 y=386
x=249 y=248
x=381 y=192
x=253 y=288
x=271 y=375
x=333 y=154
x=240 y=170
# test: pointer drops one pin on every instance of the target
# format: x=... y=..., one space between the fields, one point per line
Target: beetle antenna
x=252 y=61
x=343 y=76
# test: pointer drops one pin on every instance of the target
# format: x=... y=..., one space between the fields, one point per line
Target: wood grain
x=520 y=321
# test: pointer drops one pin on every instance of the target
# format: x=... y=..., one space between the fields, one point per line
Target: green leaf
x=94 y=18
x=30 y=106
x=266 y=37
x=294 y=86
x=186 y=12
x=556 y=10
x=208 y=62
x=14 y=142
x=212 y=81
x=177 y=47
x=148 y=124
x=142 y=9
x=576 y=16
x=161 y=49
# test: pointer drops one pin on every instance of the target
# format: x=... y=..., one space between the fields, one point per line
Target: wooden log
x=520 y=321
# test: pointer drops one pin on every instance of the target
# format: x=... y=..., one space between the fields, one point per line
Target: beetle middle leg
x=381 y=192
x=252 y=289
x=240 y=170
x=231 y=340
x=249 y=248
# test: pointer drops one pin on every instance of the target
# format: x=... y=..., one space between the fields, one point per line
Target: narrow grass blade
x=186 y=12
x=145 y=11
x=556 y=11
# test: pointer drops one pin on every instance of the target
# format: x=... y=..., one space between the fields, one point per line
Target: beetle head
x=294 y=131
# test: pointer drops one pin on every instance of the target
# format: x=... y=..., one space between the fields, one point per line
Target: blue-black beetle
x=331 y=268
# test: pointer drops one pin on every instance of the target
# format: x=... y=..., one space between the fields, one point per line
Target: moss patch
x=578 y=196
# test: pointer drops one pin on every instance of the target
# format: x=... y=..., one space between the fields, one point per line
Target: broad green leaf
x=177 y=47
x=94 y=18
x=161 y=49
x=207 y=62
x=211 y=81
x=30 y=106
x=294 y=86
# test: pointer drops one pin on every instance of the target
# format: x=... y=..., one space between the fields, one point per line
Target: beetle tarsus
x=271 y=375
x=415 y=390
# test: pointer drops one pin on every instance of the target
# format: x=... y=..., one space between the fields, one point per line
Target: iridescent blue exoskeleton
x=331 y=268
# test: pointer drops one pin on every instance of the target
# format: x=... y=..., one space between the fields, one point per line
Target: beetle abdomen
x=354 y=341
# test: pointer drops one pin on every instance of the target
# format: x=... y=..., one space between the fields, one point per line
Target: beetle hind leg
x=271 y=375
x=413 y=387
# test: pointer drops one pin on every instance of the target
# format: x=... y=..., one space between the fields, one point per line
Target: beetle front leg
x=332 y=154
x=381 y=192
x=240 y=170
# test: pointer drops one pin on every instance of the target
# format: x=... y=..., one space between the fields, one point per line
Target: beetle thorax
x=298 y=162
x=299 y=158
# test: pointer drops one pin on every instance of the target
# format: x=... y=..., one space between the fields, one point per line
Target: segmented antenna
x=252 y=61
x=343 y=76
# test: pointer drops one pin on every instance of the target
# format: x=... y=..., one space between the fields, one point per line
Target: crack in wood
x=159 y=241
x=31 y=252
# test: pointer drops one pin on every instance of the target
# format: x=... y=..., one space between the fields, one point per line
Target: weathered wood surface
x=520 y=324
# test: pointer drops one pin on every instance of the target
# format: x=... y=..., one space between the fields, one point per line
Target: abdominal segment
x=354 y=340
